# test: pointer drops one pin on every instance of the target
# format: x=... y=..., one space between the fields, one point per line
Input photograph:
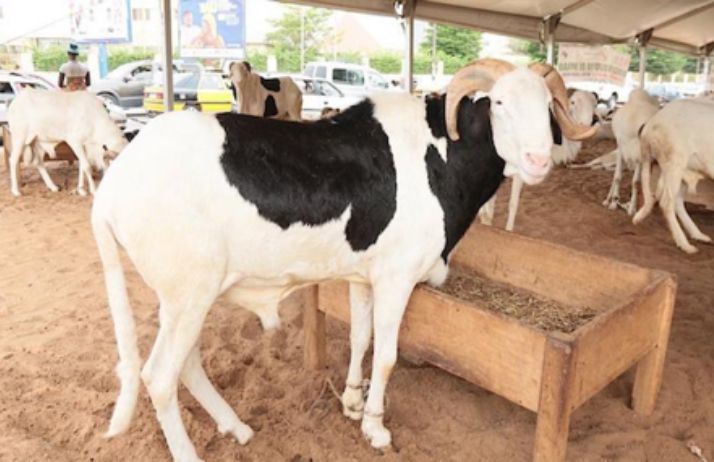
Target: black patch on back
x=473 y=170
x=270 y=108
x=555 y=128
x=270 y=84
x=310 y=173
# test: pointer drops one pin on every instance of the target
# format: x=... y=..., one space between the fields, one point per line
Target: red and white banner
x=581 y=63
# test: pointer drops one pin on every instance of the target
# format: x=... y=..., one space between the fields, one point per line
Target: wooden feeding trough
x=549 y=372
x=62 y=151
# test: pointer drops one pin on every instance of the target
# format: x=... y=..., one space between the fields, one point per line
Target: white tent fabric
x=679 y=25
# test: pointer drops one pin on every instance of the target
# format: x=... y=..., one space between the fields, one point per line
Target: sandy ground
x=57 y=354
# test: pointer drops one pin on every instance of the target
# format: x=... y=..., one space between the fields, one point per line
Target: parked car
x=318 y=94
x=351 y=79
x=198 y=91
x=12 y=83
x=124 y=86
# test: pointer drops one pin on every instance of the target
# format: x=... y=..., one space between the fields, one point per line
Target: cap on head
x=73 y=49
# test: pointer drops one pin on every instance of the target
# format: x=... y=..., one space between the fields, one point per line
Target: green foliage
x=285 y=36
x=534 y=50
x=50 y=58
x=659 y=62
x=353 y=57
x=457 y=42
x=386 y=62
x=121 y=55
x=690 y=65
x=258 y=60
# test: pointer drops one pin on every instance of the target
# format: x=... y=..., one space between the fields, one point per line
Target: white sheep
x=40 y=119
x=680 y=137
x=626 y=125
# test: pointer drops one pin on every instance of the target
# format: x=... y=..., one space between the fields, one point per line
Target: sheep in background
x=40 y=119
x=280 y=98
x=680 y=137
x=627 y=123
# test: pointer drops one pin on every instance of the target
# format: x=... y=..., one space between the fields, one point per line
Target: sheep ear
x=104 y=146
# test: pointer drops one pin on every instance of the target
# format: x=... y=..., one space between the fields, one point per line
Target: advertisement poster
x=212 y=28
x=100 y=21
x=604 y=64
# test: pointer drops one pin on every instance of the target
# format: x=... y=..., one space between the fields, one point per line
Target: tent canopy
x=685 y=26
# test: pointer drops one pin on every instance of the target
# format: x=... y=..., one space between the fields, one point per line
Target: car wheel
x=109 y=98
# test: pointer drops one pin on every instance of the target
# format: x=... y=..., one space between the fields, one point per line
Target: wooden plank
x=649 y=370
x=556 y=272
x=497 y=354
x=614 y=342
x=314 y=330
x=554 y=408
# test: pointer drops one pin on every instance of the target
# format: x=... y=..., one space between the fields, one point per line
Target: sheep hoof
x=241 y=432
x=16 y=193
x=353 y=403
x=690 y=249
x=377 y=435
x=82 y=192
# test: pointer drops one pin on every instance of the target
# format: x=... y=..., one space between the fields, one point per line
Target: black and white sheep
x=280 y=97
x=255 y=208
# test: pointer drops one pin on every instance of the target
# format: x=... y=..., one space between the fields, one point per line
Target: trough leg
x=554 y=408
x=648 y=377
x=314 y=328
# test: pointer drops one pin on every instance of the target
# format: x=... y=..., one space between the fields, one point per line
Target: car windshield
x=188 y=81
x=212 y=82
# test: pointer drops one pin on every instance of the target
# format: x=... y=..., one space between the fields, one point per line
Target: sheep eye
x=499 y=102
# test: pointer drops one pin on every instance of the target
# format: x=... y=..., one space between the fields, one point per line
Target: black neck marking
x=473 y=170
x=270 y=84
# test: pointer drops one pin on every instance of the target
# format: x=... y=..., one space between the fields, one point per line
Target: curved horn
x=554 y=81
x=479 y=75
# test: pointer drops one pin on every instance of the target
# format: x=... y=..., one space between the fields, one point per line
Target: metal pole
x=409 y=55
x=168 y=58
x=433 y=51
x=549 y=25
x=705 y=71
x=643 y=65
x=302 y=38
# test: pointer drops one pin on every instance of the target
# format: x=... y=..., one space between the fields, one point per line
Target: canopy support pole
x=706 y=52
x=642 y=40
x=168 y=58
x=550 y=24
x=405 y=12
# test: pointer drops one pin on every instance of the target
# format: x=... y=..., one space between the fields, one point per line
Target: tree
x=455 y=46
x=285 y=36
x=659 y=62
x=534 y=50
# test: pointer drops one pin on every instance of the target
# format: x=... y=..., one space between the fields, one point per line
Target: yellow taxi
x=199 y=91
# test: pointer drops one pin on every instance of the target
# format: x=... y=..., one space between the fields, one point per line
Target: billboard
x=100 y=21
x=604 y=64
x=212 y=28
